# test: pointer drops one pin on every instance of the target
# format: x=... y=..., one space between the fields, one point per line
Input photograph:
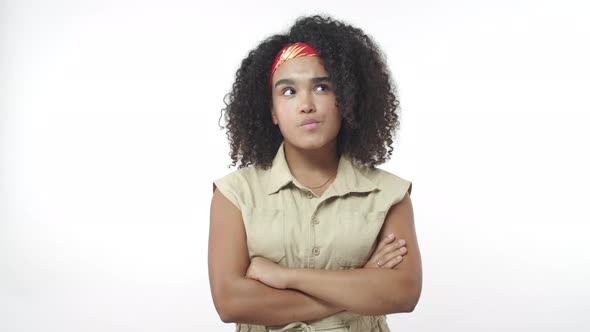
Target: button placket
x=315 y=250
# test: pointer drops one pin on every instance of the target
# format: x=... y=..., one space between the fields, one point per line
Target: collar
x=348 y=178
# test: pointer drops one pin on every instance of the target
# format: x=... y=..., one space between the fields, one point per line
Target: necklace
x=324 y=182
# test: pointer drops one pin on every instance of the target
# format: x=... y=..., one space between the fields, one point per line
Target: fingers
x=390 y=247
x=387 y=256
x=392 y=259
x=385 y=241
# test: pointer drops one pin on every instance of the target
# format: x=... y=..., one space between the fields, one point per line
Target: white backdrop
x=109 y=142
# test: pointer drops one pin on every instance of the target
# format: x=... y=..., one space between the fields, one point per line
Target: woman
x=308 y=234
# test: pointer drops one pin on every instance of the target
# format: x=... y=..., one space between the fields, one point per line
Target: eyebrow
x=313 y=80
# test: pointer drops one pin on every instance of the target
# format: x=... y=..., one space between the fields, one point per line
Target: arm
x=371 y=291
x=242 y=300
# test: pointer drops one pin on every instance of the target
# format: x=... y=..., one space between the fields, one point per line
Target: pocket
x=265 y=232
x=357 y=237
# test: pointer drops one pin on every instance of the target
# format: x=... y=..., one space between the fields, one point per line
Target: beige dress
x=288 y=224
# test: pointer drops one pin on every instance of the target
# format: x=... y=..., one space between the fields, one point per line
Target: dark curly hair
x=365 y=94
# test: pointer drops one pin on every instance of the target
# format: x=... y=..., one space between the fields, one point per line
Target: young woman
x=308 y=234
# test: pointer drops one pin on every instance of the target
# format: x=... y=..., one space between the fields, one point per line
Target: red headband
x=291 y=51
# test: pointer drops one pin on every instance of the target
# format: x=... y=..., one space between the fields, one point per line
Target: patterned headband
x=291 y=51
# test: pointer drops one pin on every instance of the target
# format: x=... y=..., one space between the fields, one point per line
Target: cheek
x=282 y=115
x=329 y=104
x=280 y=107
x=278 y=111
x=335 y=116
x=337 y=123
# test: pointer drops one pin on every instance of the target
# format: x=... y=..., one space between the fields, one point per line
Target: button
x=316 y=251
x=309 y=194
x=315 y=221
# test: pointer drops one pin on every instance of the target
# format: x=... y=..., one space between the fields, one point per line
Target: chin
x=310 y=144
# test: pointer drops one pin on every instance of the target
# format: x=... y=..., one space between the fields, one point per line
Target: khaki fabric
x=288 y=224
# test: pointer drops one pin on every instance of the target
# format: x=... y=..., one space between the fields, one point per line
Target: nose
x=306 y=104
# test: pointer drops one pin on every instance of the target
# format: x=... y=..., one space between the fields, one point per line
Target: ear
x=275 y=120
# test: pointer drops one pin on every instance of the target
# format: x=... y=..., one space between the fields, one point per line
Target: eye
x=284 y=92
x=323 y=87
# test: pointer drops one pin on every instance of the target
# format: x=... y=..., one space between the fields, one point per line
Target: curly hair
x=365 y=94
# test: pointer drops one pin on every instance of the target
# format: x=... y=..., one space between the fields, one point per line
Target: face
x=302 y=90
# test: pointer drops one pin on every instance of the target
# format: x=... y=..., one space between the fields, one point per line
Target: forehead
x=306 y=66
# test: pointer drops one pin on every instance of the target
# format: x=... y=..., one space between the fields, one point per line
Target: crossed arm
x=308 y=294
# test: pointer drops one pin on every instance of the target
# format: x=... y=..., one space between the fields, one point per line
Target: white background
x=109 y=142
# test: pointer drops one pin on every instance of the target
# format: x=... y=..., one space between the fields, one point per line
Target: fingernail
x=402 y=242
x=390 y=236
x=398 y=258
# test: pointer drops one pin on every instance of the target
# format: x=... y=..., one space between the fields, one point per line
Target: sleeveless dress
x=288 y=224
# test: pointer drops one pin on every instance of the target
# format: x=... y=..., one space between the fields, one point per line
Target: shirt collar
x=348 y=179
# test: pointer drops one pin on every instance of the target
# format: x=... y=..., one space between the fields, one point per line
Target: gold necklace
x=324 y=182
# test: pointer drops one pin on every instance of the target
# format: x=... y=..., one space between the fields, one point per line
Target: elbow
x=407 y=302
x=410 y=305
x=225 y=306
x=413 y=296
x=230 y=300
x=226 y=314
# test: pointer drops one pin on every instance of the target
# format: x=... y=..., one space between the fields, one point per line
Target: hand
x=268 y=273
x=386 y=254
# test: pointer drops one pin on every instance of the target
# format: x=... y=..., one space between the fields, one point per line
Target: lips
x=308 y=121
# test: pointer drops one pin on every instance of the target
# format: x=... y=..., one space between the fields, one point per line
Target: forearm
x=252 y=302
x=364 y=291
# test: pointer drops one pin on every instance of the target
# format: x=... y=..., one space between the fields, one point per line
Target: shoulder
x=392 y=187
x=237 y=180
x=385 y=180
x=238 y=185
x=242 y=177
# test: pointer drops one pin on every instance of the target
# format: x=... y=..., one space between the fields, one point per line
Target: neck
x=312 y=167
